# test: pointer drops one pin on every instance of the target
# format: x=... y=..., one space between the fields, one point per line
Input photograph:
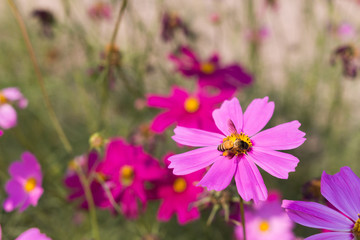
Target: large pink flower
x=267 y=221
x=8 y=116
x=128 y=168
x=178 y=195
x=186 y=109
x=210 y=72
x=250 y=147
x=24 y=188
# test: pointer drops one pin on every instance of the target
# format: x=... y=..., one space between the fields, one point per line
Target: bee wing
x=232 y=127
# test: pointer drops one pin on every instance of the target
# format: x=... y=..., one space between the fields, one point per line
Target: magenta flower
x=90 y=165
x=24 y=188
x=31 y=234
x=178 y=195
x=1 y=133
x=128 y=168
x=185 y=109
x=8 y=96
x=210 y=72
x=239 y=148
x=100 y=10
x=267 y=221
x=342 y=191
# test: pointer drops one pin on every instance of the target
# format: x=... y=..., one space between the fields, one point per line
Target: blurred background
x=303 y=54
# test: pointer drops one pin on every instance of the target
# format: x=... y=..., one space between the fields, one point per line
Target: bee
x=229 y=147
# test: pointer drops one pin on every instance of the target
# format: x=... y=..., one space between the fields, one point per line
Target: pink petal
x=332 y=236
x=14 y=94
x=0 y=233
x=315 y=215
x=229 y=110
x=342 y=191
x=249 y=182
x=194 y=160
x=32 y=233
x=159 y=102
x=276 y=163
x=16 y=196
x=8 y=117
x=257 y=115
x=282 y=137
x=166 y=210
x=220 y=174
x=184 y=215
x=163 y=121
x=196 y=138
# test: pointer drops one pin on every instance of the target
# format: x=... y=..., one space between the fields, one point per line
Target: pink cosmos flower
x=24 y=188
x=346 y=31
x=8 y=96
x=239 y=148
x=267 y=221
x=210 y=72
x=186 y=109
x=178 y=195
x=1 y=133
x=128 y=168
x=31 y=234
x=90 y=165
x=100 y=10
x=342 y=191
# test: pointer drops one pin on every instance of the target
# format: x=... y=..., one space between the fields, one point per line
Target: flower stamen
x=191 y=104
x=30 y=184
x=179 y=185
x=207 y=68
x=356 y=228
x=3 y=99
x=127 y=175
x=235 y=144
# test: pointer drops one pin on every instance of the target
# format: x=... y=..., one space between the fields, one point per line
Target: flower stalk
x=242 y=213
x=40 y=78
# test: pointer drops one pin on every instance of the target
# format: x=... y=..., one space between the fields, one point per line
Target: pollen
x=3 y=99
x=179 y=185
x=127 y=175
x=191 y=104
x=356 y=228
x=30 y=185
x=207 y=68
x=264 y=226
x=241 y=144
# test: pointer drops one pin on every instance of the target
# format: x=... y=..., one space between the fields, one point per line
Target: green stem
x=109 y=56
x=242 y=213
x=40 y=78
x=90 y=200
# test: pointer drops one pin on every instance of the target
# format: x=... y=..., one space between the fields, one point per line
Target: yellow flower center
x=100 y=177
x=356 y=229
x=191 y=104
x=173 y=20
x=127 y=175
x=235 y=144
x=3 y=99
x=207 y=68
x=30 y=184
x=264 y=226
x=179 y=185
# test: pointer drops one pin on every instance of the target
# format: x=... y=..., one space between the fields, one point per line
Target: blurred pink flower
x=1 y=133
x=215 y=18
x=246 y=145
x=210 y=72
x=90 y=165
x=267 y=220
x=172 y=23
x=178 y=195
x=128 y=168
x=258 y=35
x=24 y=188
x=8 y=96
x=100 y=10
x=31 y=234
x=345 y=31
x=186 y=109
